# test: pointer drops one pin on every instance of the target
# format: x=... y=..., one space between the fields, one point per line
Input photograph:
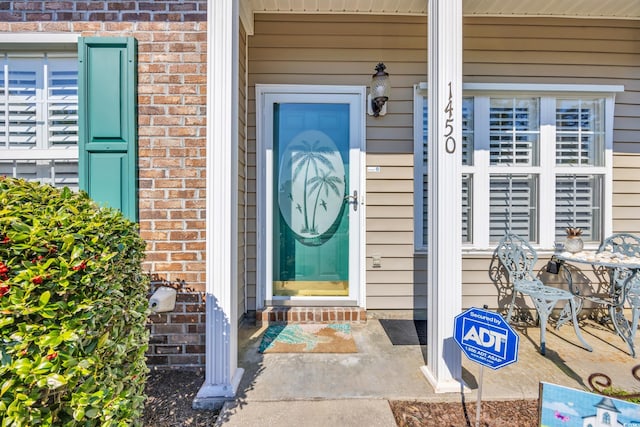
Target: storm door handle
x=353 y=200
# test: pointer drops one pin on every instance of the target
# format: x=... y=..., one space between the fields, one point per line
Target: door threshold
x=280 y=314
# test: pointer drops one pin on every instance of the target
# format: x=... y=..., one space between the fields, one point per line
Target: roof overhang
x=593 y=9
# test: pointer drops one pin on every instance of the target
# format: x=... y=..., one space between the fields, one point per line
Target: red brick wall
x=171 y=101
x=95 y=10
x=178 y=337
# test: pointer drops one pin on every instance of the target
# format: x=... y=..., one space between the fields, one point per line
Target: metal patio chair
x=519 y=258
x=627 y=244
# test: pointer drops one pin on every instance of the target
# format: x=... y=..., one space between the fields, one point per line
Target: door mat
x=308 y=338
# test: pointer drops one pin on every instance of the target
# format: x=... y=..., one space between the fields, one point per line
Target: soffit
x=618 y=9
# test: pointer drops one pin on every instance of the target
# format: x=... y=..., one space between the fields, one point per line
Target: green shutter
x=107 y=121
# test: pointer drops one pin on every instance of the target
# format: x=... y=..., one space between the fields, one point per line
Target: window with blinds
x=39 y=117
x=531 y=164
x=422 y=177
x=580 y=132
x=513 y=132
x=579 y=204
x=513 y=206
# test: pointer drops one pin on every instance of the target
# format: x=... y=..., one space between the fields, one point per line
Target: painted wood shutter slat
x=107 y=121
x=512 y=206
x=578 y=200
x=467 y=208
x=23 y=82
x=514 y=131
x=62 y=105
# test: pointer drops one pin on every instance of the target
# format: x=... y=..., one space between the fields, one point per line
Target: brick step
x=271 y=315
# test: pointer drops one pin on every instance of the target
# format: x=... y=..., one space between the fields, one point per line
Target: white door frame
x=266 y=95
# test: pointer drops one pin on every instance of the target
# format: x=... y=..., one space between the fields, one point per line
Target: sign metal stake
x=487 y=339
x=479 y=399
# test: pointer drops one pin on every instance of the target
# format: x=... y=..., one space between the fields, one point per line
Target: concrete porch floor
x=387 y=367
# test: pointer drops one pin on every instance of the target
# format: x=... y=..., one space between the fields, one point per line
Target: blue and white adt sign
x=486 y=338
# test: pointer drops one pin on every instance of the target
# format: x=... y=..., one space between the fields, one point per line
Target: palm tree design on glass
x=325 y=182
x=309 y=156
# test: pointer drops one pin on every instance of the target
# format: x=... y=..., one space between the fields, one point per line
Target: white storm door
x=311 y=206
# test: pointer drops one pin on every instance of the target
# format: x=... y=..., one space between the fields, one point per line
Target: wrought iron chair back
x=627 y=244
x=623 y=243
x=519 y=259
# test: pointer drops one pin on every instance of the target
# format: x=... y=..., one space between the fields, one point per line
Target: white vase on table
x=573 y=244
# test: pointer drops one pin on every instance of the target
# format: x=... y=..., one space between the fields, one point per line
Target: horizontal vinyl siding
x=398 y=282
x=626 y=198
x=343 y=49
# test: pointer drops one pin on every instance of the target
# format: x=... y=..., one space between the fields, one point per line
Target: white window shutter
x=62 y=103
x=514 y=131
x=512 y=206
x=578 y=204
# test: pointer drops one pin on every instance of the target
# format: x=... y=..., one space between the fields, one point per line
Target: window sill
x=469 y=251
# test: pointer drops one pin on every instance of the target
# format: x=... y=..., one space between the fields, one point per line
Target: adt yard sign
x=486 y=338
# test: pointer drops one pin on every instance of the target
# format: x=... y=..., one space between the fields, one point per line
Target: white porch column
x=222 y=374
x=443 y=369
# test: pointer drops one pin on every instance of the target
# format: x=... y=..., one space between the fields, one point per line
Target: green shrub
x=73 y=307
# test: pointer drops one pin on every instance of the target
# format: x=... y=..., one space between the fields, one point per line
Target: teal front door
x=310 y=211
x=313 y=160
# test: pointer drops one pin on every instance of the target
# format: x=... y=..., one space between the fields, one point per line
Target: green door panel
x=108 y=153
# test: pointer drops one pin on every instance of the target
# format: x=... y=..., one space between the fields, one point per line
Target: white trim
x=480 y=167
x=535 y=87
x=39 y=38
x=546 y=177
x=266 y=95
x=70 y=153
x=609 y=114
x=540 y=88
x=261 y=200
x=245 y=271
x=222 y=374
x=444 y=263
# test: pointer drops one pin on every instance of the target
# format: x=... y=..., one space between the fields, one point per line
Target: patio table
x=623 y=268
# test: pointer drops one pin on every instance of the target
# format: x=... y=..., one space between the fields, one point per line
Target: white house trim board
x=540 y=87
x=222 y=375
x=39 y=38
x=266 y=96
x=533 y=87
x=444 y=364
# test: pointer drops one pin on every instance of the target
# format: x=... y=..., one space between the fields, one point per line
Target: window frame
x=546 y=170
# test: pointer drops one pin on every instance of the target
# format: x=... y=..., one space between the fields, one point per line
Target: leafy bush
x=73 y=307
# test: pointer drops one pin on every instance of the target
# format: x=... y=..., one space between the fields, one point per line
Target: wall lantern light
x=379 y=92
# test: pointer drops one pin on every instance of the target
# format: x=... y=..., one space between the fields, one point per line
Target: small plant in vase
x=574 y=242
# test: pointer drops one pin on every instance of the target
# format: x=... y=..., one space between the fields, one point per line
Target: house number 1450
x=450 y=141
